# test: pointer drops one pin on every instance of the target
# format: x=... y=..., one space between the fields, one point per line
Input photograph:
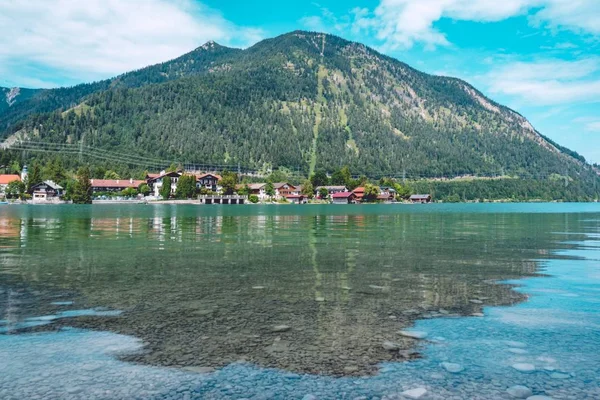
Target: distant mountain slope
x=301 y=100
x=9 y=97
x=34 y=101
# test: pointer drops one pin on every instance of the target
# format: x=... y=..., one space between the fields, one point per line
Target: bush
x=253 y=198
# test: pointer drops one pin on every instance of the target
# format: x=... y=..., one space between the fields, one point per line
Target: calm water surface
x=299 y=302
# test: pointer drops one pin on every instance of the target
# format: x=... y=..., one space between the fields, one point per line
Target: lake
x=460 y=301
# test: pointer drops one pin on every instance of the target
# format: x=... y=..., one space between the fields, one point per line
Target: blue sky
x=539 y=57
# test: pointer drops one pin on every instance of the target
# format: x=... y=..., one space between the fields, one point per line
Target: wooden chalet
x=420 y=198
x=343 y=198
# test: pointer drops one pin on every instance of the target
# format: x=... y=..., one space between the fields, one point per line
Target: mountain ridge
x=305 y=100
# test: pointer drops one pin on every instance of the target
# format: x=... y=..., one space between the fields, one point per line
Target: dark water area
x=321 y=292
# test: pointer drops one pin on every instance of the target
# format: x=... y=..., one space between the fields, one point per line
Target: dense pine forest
x=305 y=102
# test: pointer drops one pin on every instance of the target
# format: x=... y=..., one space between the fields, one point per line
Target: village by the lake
x=204 y=188
x=300 y=200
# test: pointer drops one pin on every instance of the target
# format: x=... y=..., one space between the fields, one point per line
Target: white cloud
x=593 y=126
x=326 y=22
x=97 y=38
x=548 y=82
x=402 y=23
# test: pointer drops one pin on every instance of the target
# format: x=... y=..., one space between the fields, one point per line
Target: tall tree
x=110 y=174
x=319 y=178
x=270 y=189
x=371 y=192
x=82 y=191
x=34 y=177
x=186 y=187
x=165 y=189
x=341 y=176
x=228 y=182
x=308 y=189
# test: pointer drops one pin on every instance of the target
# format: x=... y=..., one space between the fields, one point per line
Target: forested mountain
x=10 y=97
x=301 y=100
x=35 y=101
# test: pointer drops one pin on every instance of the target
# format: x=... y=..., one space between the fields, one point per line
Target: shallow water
x=195 y=287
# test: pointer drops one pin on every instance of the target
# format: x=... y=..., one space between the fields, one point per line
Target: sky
x=539 y=57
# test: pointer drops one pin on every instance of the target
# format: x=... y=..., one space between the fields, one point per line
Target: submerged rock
x=414 y=334
x=518 y=351
x=452 y=367
x=559 y=375
x=519 y=392
x=524 y=367
x=414 y=393
x=200 y=370
x=390 y=346
x=281 y=328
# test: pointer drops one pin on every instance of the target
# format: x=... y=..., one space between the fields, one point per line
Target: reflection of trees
x=336 y=279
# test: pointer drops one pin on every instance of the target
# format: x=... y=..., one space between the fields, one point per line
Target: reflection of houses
x=114 y=185
x=343 y=198
x=46 y=191
x=6 y=179
x=420 y=198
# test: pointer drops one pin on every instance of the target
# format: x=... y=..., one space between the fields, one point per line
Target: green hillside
x=303 y=101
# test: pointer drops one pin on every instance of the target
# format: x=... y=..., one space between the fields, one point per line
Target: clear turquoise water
x=556 y=330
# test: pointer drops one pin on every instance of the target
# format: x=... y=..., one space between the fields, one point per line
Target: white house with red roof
x=5 y=179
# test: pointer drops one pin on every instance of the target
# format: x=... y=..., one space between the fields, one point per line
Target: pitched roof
x=420 y=196
x=116 y=183
x=152 y=175
x=257 y=186
x=279 y=185
x=8 y=178
x=207 y=175
x=331 y=187
x=342 y=195
x=359 y=189
x=52 y=184
x=171 y=174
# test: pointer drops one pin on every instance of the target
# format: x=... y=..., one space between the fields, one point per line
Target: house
x=296 y=198
x=45 y=191
x=114 y=185
x=420 y=198
x=259 y=190
x=343 y=198
x=283 y=189
x=150 y=175
x=208 y=181
x=331 y=189
x=386 y=197
x=359 y=192
x=157 y=182
x=6 y=179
